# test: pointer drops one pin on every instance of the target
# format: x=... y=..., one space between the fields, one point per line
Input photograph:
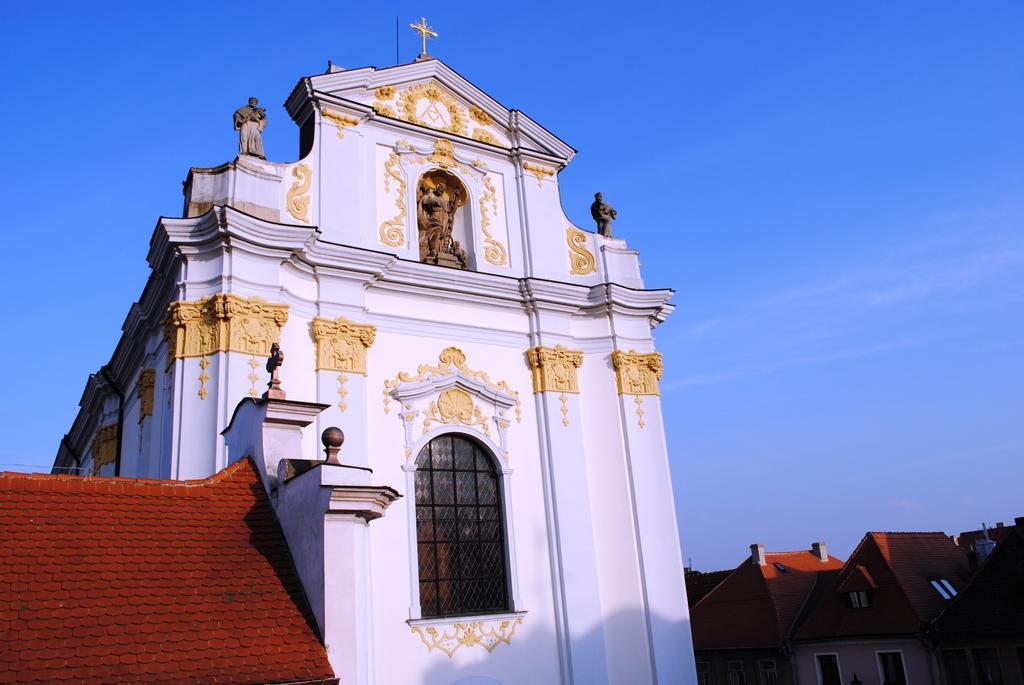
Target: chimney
x=999 y=524
x=1019 y=521
x=820 y=550
x=757 y=555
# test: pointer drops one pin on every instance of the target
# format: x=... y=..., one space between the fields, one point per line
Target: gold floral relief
x=340 y=120
x=486 y=634
x=223 y=323
x=581 y=260
x=480 y=116
x=384 y=92
x=341 y=344
x=297 y=199
x=540 y=172
x=637 y=373
x=455 y=406
x=443 y=154
x=392 y=231
x=443 y=112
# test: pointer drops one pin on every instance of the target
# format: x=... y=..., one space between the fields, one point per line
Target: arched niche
x=443 y=219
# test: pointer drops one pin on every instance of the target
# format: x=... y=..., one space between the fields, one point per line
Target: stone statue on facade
x=603 y=214
x=435 y=215
x=250 y=120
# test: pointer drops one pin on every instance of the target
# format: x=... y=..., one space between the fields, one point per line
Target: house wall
x=720 y=660
x=860 y=659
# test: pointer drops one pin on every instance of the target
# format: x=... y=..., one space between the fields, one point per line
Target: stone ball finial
x=332 y=437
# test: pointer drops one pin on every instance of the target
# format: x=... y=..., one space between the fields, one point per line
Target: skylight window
x=780 y=567
x=944 y=588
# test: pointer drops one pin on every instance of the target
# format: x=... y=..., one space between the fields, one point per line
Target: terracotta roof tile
x=139 y=580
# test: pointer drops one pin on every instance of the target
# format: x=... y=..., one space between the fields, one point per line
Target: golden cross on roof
x=424 y=31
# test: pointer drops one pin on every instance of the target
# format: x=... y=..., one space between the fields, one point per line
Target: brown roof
x=901 y=566
x=756 y=605
x=700 y=583
x=997 y=534
x=122 y=580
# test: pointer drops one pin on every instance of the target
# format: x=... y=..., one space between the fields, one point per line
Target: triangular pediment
x=431 y=94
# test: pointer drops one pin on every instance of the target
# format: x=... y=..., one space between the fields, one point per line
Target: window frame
x=729 y=670
x=858 y=599
x=817 y=666
x=762 y=671
x=903 y=663
x=503 y=473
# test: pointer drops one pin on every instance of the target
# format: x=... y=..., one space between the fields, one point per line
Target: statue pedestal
x=449 y=260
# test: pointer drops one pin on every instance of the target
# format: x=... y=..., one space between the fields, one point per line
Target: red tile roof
x=997 y=534
x=700 y=583
x=121 y=580
x=901 y=566
x=756 y=605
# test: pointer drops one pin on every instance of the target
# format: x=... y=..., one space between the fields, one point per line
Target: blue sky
x=836 y=193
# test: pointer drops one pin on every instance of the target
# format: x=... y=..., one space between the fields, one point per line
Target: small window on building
x=736 y=674
x=890 y=667
x=943 y=587
x=859 y=599
x=780 y=567
x=828 y=670
x=957 y=667
x=704 y=673
x=986 y=666
x=767 y=675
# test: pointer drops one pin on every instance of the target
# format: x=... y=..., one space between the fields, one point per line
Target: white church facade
x=501 y=508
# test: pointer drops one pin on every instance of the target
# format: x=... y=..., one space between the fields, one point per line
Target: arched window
x=459 y=532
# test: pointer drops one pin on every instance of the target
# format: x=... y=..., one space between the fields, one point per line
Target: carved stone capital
x=341 y=344
x=637 y=373
x=554 y=368
x=104 y=447
x=223 y=323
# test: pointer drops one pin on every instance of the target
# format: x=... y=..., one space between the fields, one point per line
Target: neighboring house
x=979 y=636
x=740 y=627
x=866 y=622
x=700 y=583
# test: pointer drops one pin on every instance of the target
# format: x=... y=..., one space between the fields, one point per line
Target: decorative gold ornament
x=253 y=377
x=144 y=389
x=450 y=360
x=425 y=32
x=223 y=323
x=385 y=110
x=392 y=231
x=455 y=406
x=298 y=201
x=340 y=120
x=639 y=401
x=104 y=447
x=494 y=252
x=487 y=634
x=554 y=368
x=204 y=364
x=341 y=344
x=439 y=104
x=485 y=136
x=540 y=172
x=342 y=391
x=384 y=92
x=637 y=373
x=479 y=116
x=565 y=409
x=581 y=260
x=443 y=154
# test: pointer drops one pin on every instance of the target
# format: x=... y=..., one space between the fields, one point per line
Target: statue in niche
x=603 y=214
x=437 y=203
x=250 y=120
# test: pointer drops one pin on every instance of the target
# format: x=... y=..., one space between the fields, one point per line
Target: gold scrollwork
x=487 y=634
x=392 y=231
x=104 y=447
x=384 y=92
x=581 y=260
x=144 y=389
x=450 y=360
x=385 y=110
x=341 y=344
x=485 y=136
x=432 y=92
x=554 y=368
x=298 y=201
x=494 y=252
x=479 y=116
x=340 y=120
x=540 y=172
x=223 y=323
x=455 y=406
x=637 y=373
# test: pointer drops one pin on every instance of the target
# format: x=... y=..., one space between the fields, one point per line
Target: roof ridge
x=224 y=474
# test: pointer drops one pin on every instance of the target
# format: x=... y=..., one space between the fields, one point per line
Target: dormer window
x=944 y=588
x=859 y=599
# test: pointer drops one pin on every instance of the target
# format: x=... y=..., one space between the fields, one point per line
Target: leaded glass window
x=459 y=532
